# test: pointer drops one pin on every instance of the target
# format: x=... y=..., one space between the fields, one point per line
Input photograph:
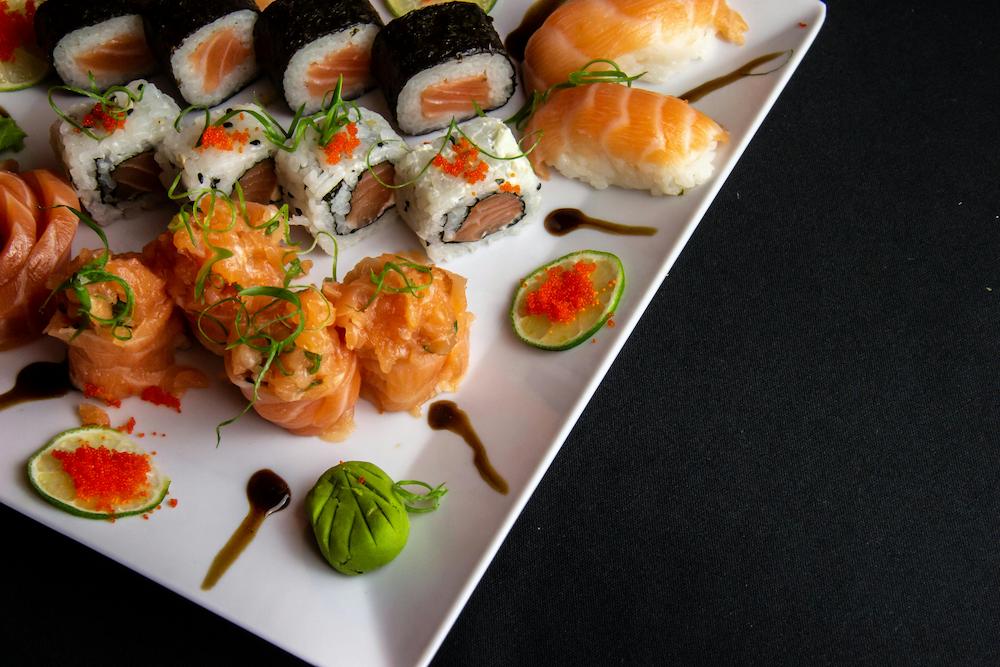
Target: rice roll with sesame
x=206 y=46
x=104 y=39
x=108 y=150
x=330 y=188
x=441 y=62
x=476 y=189
x=306 y=45
x=220 y=155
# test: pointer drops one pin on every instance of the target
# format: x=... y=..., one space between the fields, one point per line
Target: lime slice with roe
x=400 y=7
x=97 y=473
x=21 y=63
x=565 y=302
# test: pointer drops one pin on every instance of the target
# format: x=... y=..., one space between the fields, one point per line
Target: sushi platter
x=461 y=240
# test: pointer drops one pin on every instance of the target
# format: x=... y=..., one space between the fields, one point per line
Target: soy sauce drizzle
x=562 y=221
x=38 y=381
x=746 y=70
x=446 y=416
x=532 y=21
x=267 y=493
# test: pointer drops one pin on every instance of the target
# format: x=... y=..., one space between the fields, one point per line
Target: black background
x=795 y=457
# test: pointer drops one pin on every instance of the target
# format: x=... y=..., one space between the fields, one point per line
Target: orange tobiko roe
x=342 y=144
x=565 y=293
x=105 y=477
x=16 y=29
x=102 y=117
x=158 y=396
x=217 y=137
x=465 y=163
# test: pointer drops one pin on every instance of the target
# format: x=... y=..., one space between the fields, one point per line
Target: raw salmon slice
x=455 y=98
x=370 y=199
x=137 y=176
x=488 y=215
x=352 y=62
x=260 y=182
x=217 y=56
x=127 y=52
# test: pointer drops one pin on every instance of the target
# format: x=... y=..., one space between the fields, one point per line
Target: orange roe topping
x=100 y=116
x=565 y=293
x=342 y=144
x=91 y=415
x=158 y=396
x=465 y=163
x=510 y=187
x=217 y=137
x=16 y=29
x=93 y=391
x=611 y=323
x=105 y=477
x=172 y=502
x=127 y=427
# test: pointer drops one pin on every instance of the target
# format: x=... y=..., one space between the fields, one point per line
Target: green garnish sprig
x=409 y=287
x=92 y=273
x=581 y=77
x=116 y=101
x=334 y=115
x=273 y=130
x=419 y=503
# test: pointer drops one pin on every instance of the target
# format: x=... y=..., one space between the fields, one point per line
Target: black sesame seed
x=298 y=211
x=129 y=112
x=255 y=142
x=227 y=125
x=201 y=177
x=538 y=187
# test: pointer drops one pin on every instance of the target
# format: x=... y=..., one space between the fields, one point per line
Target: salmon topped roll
x=121 y=328
x=36 y=234
x=307 y=45
x=610 y=134
x=293 y=367
x=409 y=325
x=205 y=258
x=207 y=47
x=439 y=63
x=104 y=40
x=651 y=36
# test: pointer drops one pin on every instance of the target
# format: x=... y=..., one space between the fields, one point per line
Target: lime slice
x=400 y=7
x=25 y=70
x=538 y=330
x=46 y=474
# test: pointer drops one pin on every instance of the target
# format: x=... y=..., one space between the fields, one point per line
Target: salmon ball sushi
x=466 y=189
x=439 y=63
x=307 y=45
x=206 y=47
x=104 y=40
x=339 y=189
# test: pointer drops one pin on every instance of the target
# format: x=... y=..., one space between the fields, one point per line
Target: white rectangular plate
x=522 y=401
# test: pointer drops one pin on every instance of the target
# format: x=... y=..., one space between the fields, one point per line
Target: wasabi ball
x=359 y=522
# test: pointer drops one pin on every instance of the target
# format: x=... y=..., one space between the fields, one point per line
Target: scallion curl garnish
x=93 y=273
x=111 y=101
x=581 y=77
x=419 y=502
x=409 y=287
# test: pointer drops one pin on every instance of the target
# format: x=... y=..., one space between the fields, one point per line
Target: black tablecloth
x=795 y=457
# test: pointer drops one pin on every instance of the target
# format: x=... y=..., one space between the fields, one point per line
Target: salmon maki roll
x=37 y=240
x=206 y=47
x=409 y=325
x=204 y=285
x=312 y=385
x=104 y=39
x=121 y=328
x=651 y=36
x=609 y=134
x=307 y=45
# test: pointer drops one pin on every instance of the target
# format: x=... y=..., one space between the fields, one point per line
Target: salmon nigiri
x=311 y=384
x=652 y=36
x=121 y=328
x=609 y=134
x=37 y=239
x=408 y=324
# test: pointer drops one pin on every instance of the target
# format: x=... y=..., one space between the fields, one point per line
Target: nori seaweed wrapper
x=57 y=18
x=170 y=22
x=430 y=36
x=288 y=25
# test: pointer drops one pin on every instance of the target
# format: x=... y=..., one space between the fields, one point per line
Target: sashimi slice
x=455 y=98
x=219 y=55
x=352 y=62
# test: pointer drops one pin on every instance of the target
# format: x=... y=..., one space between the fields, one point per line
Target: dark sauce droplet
x=746 y=70
x=267 y=493
x=562 y=221
x=38 y=381
x=532 y=21
x=446 y=416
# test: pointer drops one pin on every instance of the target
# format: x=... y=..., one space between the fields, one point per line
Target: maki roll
x=441 y=62
x=306 y=45
x=330 y=188
x=103 y=39
x=476 y=187
x=207 y=47
x=218 y=155
x=107 y=149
